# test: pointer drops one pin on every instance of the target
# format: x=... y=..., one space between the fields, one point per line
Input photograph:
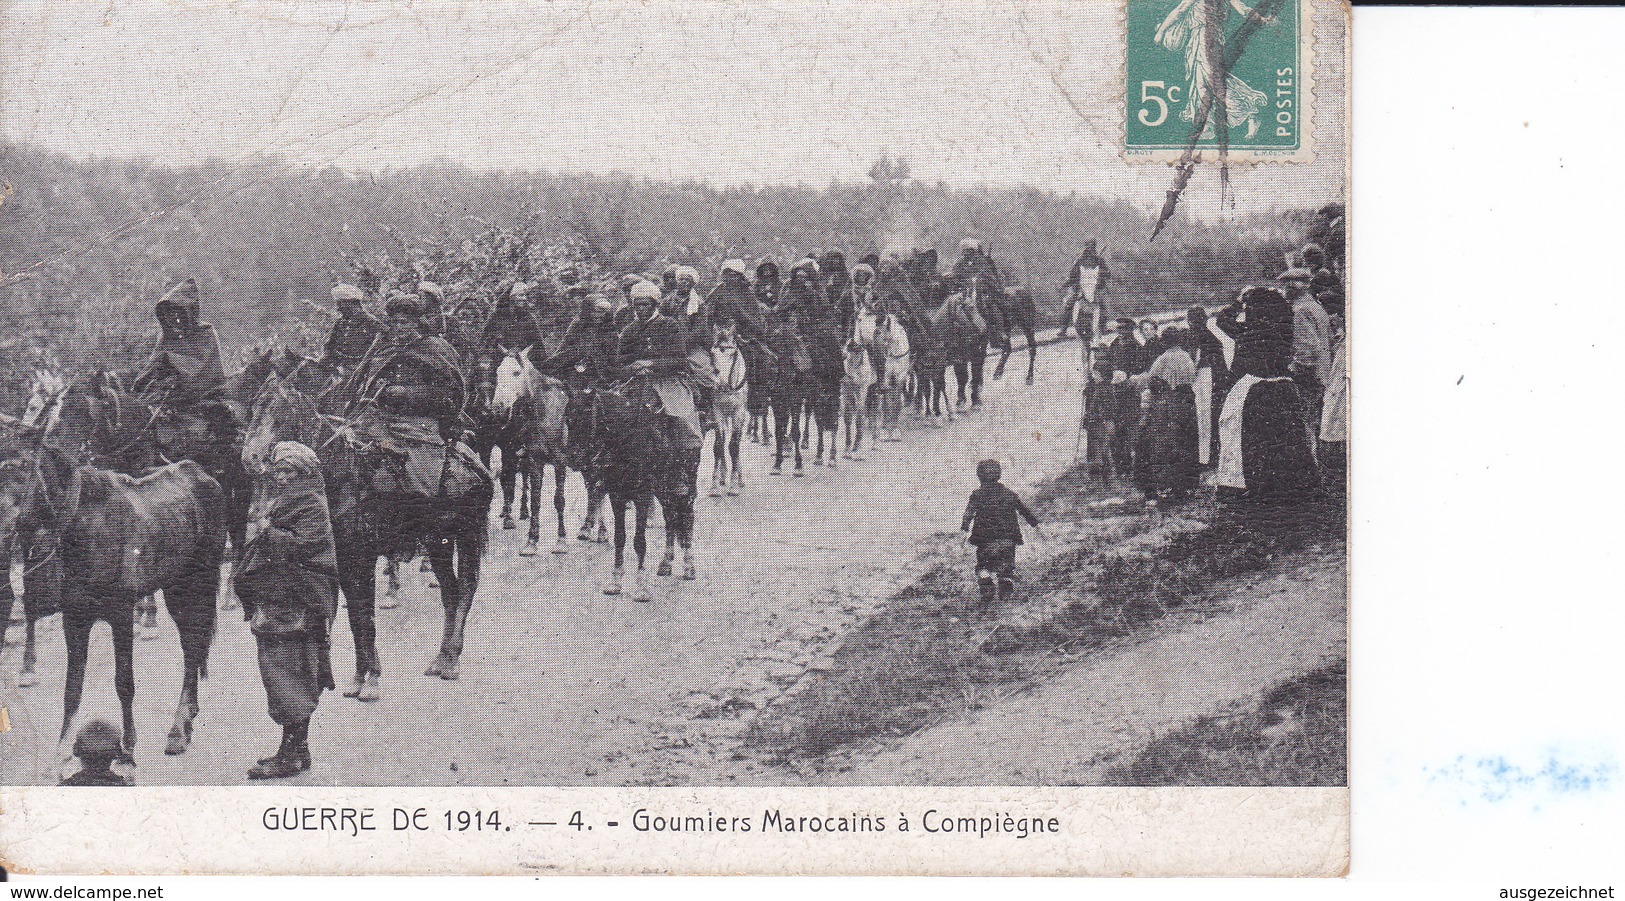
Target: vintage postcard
x=674 y=437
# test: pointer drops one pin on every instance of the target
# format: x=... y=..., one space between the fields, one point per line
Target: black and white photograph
x=685 y=394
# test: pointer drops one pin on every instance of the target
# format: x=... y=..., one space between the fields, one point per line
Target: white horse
x=729 y=411
x=540 y=402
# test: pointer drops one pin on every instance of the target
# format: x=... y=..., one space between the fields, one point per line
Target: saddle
x=405 y=457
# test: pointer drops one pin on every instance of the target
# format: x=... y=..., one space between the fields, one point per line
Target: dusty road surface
x=562 y=685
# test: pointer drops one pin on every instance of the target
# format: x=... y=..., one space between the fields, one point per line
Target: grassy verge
x=930 y=654
x=1297 y=735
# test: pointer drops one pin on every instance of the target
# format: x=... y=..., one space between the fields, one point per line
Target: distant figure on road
x=990 y=517
x=1085 y=313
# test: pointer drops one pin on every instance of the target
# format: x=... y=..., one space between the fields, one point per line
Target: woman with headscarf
x=288 y=582
x=1211 y=369
x=1266 y=451
x=1165 y=458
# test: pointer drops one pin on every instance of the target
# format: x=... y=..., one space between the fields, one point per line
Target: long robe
x=288 y=582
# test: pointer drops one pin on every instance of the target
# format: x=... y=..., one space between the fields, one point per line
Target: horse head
x=37 y=481
x=281 y=412
x=511 y=381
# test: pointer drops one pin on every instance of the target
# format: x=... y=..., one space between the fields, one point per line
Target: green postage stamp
x=1218 y=78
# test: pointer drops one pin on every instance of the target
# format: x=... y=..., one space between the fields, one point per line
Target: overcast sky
x=970 y=91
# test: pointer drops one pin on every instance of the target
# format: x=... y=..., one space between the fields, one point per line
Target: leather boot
x=285 y=762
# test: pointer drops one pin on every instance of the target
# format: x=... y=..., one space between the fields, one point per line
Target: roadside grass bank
x=1111 y=574
x=1296 y=734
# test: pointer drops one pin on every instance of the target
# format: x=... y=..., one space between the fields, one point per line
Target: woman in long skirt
x=288 y=582
x=1165 y=459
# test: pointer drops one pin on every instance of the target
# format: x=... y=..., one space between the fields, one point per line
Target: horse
x=41 y=568
x=640 y=462
x=730 y=410
x=1013 y=310
x=539 y=403
x=892 y=378
x=789 y=384
x=498 y=423
x=964 y=331
x=118 y=538
x=368 y=524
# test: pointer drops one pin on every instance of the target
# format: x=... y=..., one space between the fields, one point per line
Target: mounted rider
x=511 y=327
x=586 y=353
x=1085 y=312
x=185 y=377
x=415 y=374
x=974 y=262
x=356 y=333
x=653 y=347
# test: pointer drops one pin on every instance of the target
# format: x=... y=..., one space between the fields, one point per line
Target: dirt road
x=562 y=685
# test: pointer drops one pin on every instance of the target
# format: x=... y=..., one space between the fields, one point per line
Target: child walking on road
x=990 y=517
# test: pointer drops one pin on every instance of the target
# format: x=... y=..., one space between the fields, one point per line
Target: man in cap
x=510 y=327
x=356 y=332
x=1311 y=340
x=1085 y=313
x=413 y=373
x=586 y=352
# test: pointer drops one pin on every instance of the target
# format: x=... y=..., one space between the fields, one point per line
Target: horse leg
x=194 y=616
x=358 y=579
x=780 y=426
x=442 y=551
x=978 y=364
x=640 y=547
x=392 y=583
x=961 y=382
x=1032 y=350
x=617 y=505
x=531 y=487
x=76 y=635
x=507 y=476
x=27 y=677
x=122 y=621
x=720 y=454
x=561 y=472
x=798 y=426
x=462 y=559
x=1004 y=357
x=737 y=479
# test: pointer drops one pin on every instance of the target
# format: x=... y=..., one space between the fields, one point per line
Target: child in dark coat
x=995 y=530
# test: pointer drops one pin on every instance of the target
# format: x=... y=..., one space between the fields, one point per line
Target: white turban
x=688 y=272
x=646 y=291
x=348 y=292
x=734 y=266
x=303 y=460
x=970 y=244
x=519 y=289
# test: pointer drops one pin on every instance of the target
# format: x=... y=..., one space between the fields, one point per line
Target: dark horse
x=368 y=524
x=119 y=538
x=638 y=460
x=1005 y=314
x=964 y=329
x=789 y=384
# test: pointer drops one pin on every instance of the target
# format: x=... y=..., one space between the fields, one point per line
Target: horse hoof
x=689 y=574
x=356 y=684
x=176 y=744
x=642 y=595
x=508 y=522
x=776 y=471
x=148 y=633
x=715 y=491
x=561 y=546
x=370 y=690
x=27 y=679
x=434 y=584
x=665 y=568
x=1029 y=380
x=613 y=588
x=529 y=550
x=800 y=474
x=452 y=671
x=390 y=600
x=436 y=667
x=733 y=492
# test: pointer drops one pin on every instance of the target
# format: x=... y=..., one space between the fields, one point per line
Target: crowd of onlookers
x=1251 y=398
